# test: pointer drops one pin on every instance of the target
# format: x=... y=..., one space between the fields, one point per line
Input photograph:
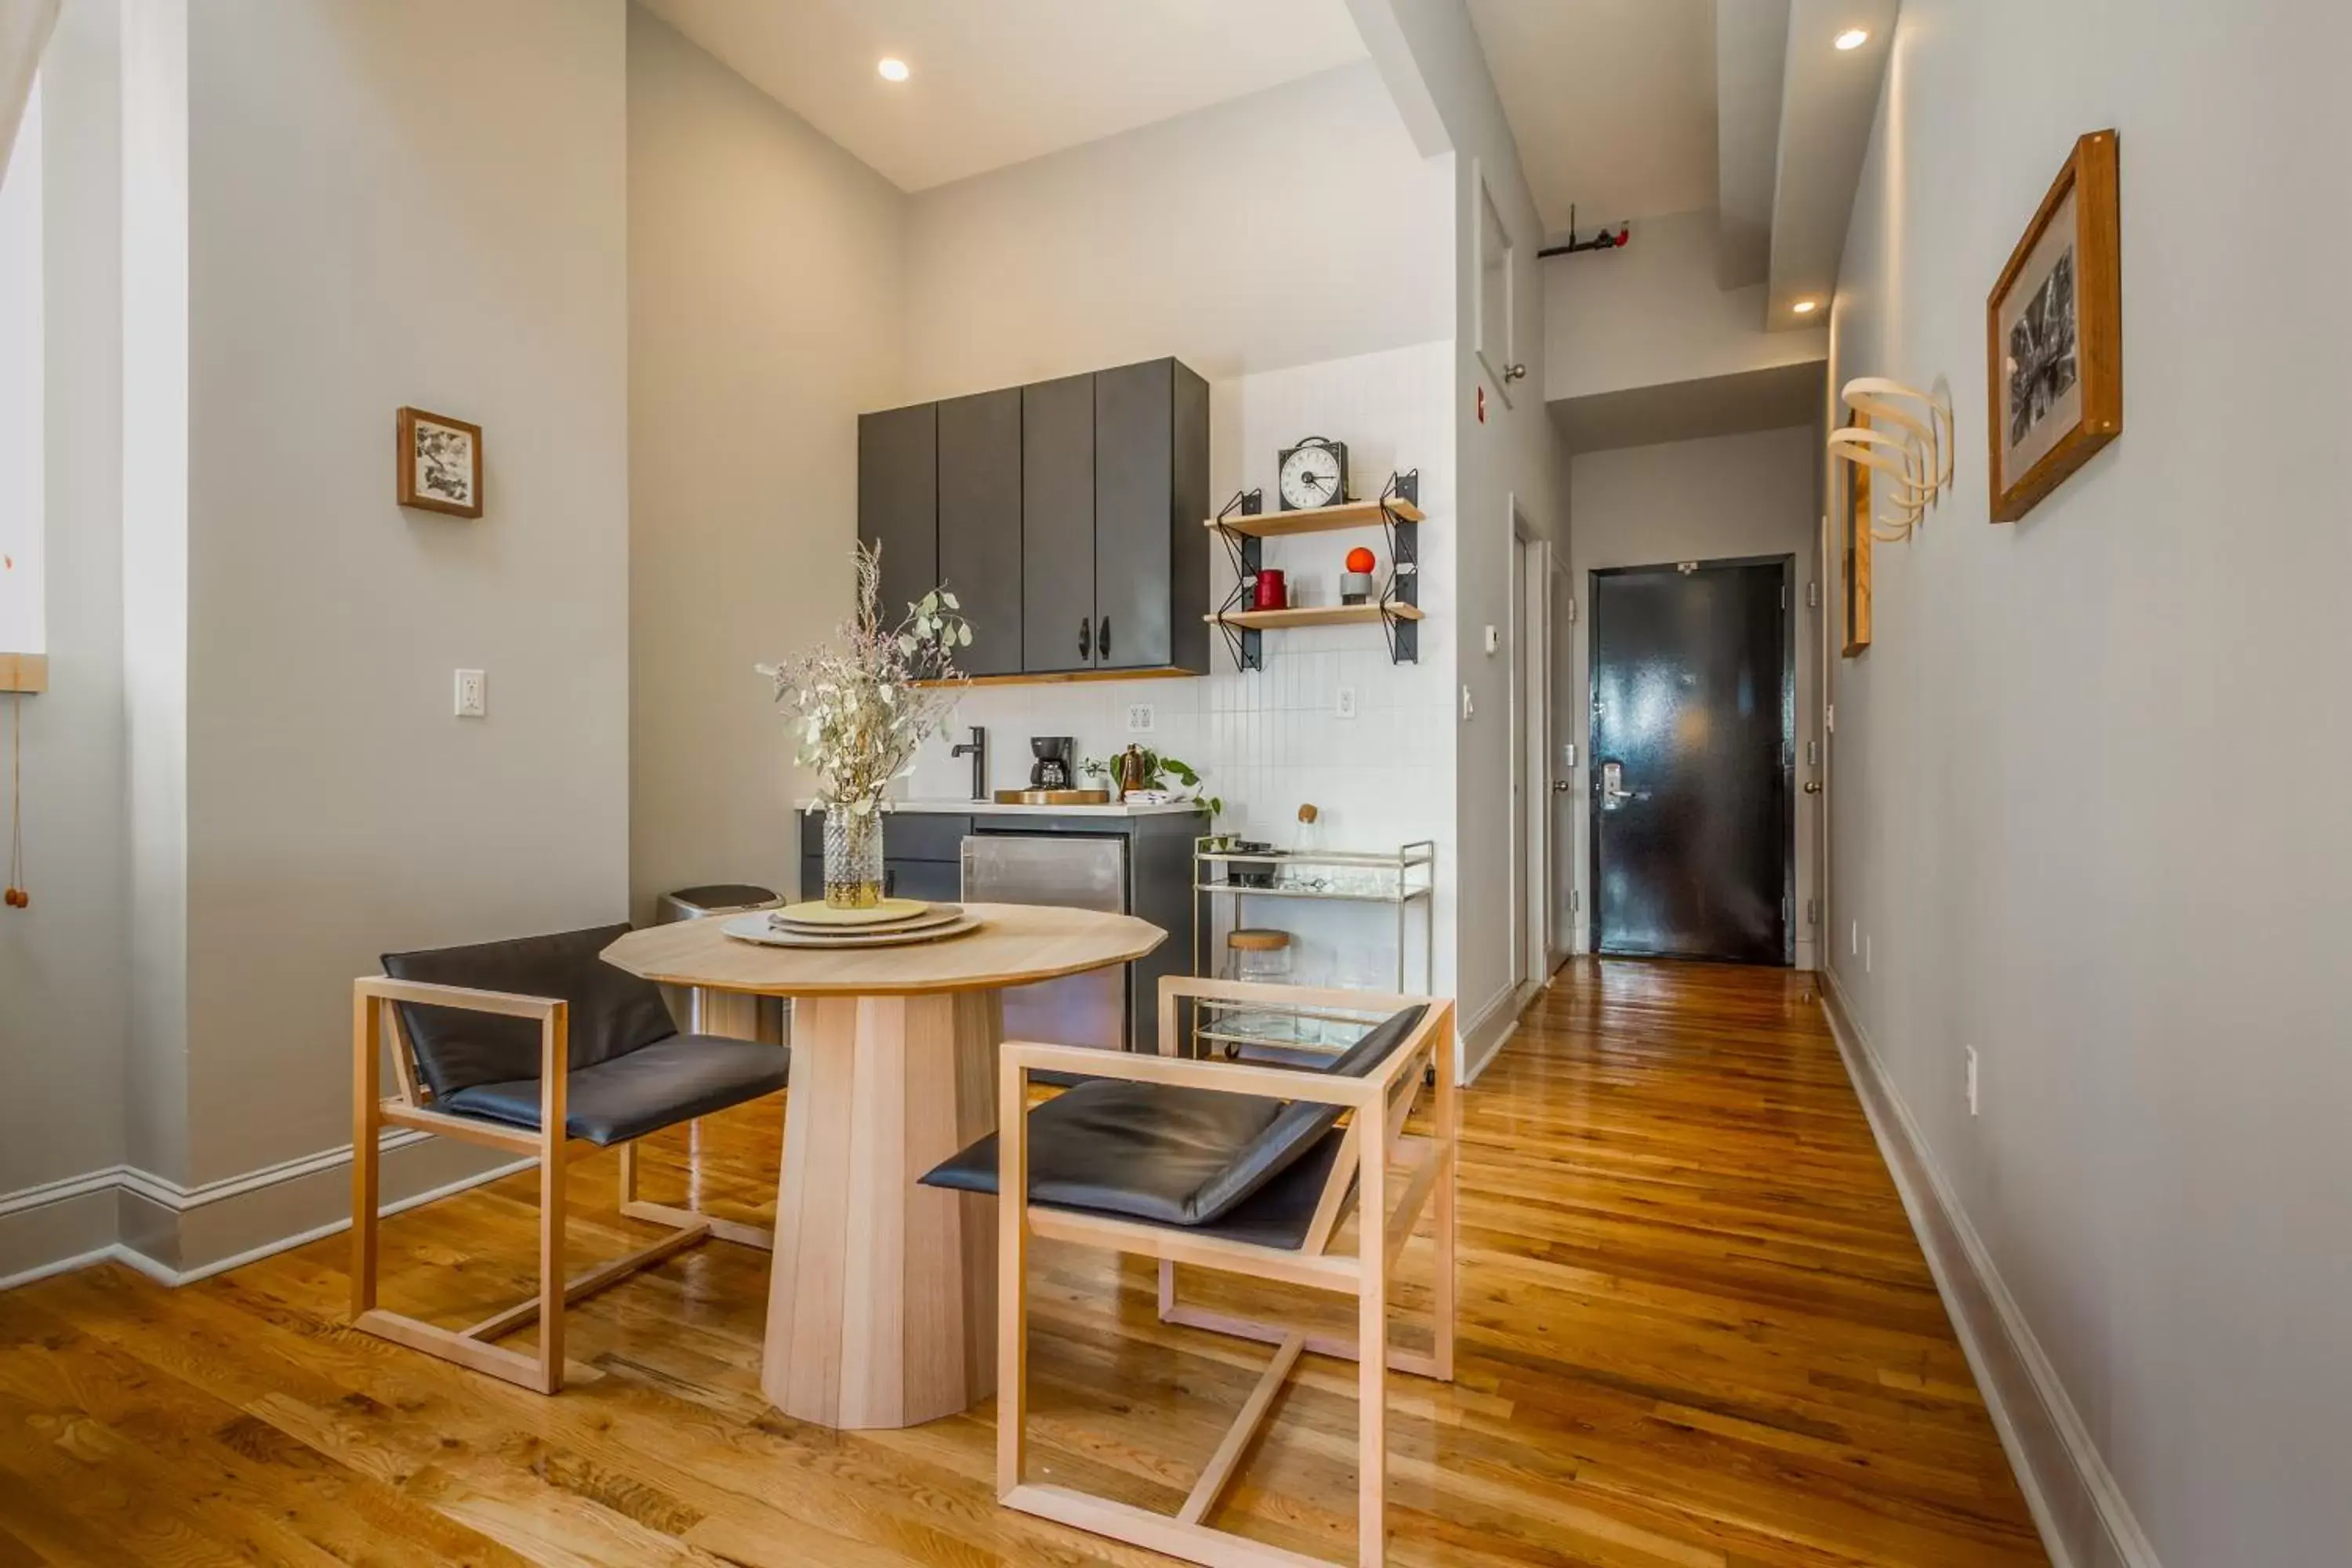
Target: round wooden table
x=882 y=1310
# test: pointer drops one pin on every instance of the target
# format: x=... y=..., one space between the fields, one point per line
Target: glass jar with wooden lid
x=1258 y=954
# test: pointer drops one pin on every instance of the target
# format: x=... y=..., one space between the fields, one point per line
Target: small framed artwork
x=2054 y=334
x=1855 y=547
x=440 y=463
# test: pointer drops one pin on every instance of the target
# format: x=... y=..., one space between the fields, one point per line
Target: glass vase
x=852 y=858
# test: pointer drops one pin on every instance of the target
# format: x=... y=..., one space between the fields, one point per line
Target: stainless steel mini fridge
x=1075 y=871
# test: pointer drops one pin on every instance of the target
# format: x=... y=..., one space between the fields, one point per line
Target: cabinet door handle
x=1085 y=640
x=889 y=882
x=1102 y=638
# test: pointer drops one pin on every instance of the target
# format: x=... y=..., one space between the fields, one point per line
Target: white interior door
x=1556 y=775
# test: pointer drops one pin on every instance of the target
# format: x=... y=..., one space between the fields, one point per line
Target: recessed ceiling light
x=894 y=69
x=1806 y=307
x=1853 y=38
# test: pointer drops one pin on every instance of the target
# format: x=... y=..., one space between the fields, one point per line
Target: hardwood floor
x=1696 y=1330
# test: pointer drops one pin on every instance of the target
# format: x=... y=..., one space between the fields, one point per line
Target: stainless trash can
x=718 y=899
x=775 y=1012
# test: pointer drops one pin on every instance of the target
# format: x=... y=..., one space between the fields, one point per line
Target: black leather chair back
x=613 y=1012
x=1301 y=1123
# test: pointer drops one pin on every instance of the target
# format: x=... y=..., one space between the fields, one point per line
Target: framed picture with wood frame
x=2054 y=335
x=439 y=463
x=1856 y=548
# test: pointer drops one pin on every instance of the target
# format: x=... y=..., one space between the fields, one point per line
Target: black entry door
x=1694 y=713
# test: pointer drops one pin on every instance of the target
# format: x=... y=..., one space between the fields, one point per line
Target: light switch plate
x=473 y=694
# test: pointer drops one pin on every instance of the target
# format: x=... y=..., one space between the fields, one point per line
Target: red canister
x=1271 y=593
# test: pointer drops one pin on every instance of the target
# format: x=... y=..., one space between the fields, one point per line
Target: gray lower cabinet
x=1067 y=516
x=1140 y=866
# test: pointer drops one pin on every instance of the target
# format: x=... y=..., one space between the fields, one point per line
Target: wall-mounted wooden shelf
x=1243 y=529
x=1314 y=615
x=1319 y=519
x=25 y=672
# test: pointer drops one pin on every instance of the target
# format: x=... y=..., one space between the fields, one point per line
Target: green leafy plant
x=1158 y=771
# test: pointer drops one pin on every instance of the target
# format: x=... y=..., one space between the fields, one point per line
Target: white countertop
x=997 y=808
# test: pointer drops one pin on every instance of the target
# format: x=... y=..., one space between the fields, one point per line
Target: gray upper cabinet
x=1057 y=523
x=899 y=499
x=980 y=525
x=1067 y=516
x=1151 y=494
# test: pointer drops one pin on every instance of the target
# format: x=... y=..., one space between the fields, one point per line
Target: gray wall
x=767 y=298
x=63 y=1019
x=1655 y=312
x=1507 y=461
x=1712 y=499
x=2087 y=810
x=380 y=219
x=1184 y=238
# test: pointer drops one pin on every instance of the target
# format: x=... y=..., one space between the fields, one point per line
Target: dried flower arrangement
x=864 y=702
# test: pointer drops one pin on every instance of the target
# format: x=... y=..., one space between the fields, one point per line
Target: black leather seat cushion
x=612 y=1012
x=1193 y=1158
x=657 y=1086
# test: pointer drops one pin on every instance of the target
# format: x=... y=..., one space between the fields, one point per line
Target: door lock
x=1613 y=793
x=1813 y=786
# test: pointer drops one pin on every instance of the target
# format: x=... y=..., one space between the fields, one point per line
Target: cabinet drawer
x=910 y=835
x=905 y=835
x=939 y=881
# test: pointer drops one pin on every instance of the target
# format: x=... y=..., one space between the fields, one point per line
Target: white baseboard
x=1483 y=1037
x=178 y=1234
x=2077 y=1504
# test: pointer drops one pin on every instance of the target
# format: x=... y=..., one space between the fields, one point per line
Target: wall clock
x=1313 y=473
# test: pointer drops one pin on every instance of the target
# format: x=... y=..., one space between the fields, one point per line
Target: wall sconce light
x=1919 y=458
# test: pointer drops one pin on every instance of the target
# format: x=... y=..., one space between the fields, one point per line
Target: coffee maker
x=1054 y=770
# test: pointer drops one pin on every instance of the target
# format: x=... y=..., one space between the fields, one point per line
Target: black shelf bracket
x=1247 y=552
x=1405 y=566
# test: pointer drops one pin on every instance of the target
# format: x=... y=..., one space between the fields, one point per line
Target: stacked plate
x=892 y=922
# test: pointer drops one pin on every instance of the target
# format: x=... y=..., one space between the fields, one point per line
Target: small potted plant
x=1149 y=769
x=864 y=703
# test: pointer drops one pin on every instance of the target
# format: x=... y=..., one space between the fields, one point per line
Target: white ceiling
x=1612 y=102
x=997 y=81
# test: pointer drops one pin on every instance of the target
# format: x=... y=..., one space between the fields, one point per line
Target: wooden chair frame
x=374 y=1020
x=1377 y=1106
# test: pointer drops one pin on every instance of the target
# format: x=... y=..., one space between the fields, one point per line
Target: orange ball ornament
x=1360 y=560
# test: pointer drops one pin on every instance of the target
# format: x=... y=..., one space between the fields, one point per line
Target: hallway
x=1696 y=1330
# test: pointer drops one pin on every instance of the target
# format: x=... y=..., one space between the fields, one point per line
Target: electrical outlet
x=1139 y=718
x=473 y=694
x=1345 y=707
x=1972 y=1080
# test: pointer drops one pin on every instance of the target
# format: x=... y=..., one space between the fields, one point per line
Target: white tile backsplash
x=1268 y=741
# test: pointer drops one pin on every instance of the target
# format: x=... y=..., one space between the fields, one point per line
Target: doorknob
x=1813 y=786
x=1560 y=786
